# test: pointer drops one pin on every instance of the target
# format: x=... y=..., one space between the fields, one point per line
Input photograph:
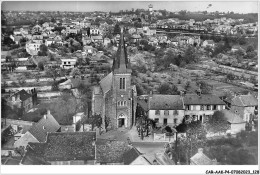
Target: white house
x=166 y=109
x=68 y=63
x=209 y=43
x=200 y=107
x=32 y=48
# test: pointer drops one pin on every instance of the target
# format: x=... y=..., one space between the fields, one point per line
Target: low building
x=209 y=43
x=236 y=123
x=23 y=100
x=38 y=132
x=68 y=63
x=166 y=109
x=80 y=148
x=246 y=106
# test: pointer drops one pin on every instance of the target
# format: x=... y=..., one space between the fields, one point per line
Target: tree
x=52 y=73
x=165 y=88
x=195 y=138
x=75 y=72
x=187 y=85
x=41 y=65
x=230 y=76
x=204 y=87
x=208 y=50
x=43 y=50
x=190 y=56
x=217 y=122
x=250 y=48
x=95 y=121
x=117 y=29
x=242 y=40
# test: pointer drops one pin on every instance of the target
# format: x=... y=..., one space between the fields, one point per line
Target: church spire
x=121 y=64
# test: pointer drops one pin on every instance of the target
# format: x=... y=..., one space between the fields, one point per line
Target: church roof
x=121 y=63
x=106 y=83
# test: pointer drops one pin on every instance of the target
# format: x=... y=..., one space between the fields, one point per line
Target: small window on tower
x=124 y=103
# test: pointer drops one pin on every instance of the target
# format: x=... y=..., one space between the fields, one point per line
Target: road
x=149 y=148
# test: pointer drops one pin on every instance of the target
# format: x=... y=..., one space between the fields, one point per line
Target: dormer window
x=43 y=127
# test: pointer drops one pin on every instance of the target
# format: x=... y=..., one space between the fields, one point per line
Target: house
x=58 y=40
x=132 y=30
x=17 y=32
x=106 y=42
x=38 y=132
x=32 y=48
x=23 y=100
x=97 y=39
x=163 y=159
x=134 y=157
x=246 y=106
x=79 y=148
x=209 y=43
x=115 y=96
x=200 y=107
x=68 y=63
x=135 y=38
x=201 y=159
x=94 y=31
x=49 y=41
x=68 y=148
x=111 y=152
x=166 y=109
x=36 y=29
x=86 y=40
x=89 y=49
x=237 y=124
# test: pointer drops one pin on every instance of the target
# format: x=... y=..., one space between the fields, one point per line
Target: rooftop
x=165 y=102
x=203 y=99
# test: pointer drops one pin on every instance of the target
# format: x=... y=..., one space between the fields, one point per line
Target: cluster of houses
x=172 y=110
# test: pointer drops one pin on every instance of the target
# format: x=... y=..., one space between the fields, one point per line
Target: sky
x=115 y=6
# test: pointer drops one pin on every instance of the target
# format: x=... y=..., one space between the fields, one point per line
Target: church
x=115 y=97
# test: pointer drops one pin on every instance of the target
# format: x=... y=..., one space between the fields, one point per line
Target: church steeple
x=121 y=63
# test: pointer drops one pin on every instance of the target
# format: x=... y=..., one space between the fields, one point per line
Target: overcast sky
x=115 y=6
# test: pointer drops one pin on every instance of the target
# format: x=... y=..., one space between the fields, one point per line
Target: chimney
x=45 y=116
x=200 y=150
x=48 y=112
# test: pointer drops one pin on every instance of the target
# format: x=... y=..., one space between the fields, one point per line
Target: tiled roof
x=232 y=117
x=210 y=41
x=70 y=146
x=42 y=127
x=201 y=159
x=203 y=99
x=33 y=155
x=163 y=102
x=97 y=37
x=131 y=155
x=163 y=159
x=63 y=147
x=244 y=100
x=106 y=82
x=143 y=104
x=24 y=95
x=111 y=151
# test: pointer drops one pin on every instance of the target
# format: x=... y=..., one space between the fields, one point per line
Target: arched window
x=124 y=103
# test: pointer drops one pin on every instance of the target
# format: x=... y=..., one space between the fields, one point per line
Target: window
x=156 y=120
x=64 y=62
x=121 y=103
x=68 y=62
x=157 y=112
x=122 y=83
x=124 y=103
x=202 y=107
x=175 y=112
x=166 y=112
x=214 y=107
x=175 y=121
x=118 y=103
x=187 y=107
x=165 y=121
x=208 y=107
